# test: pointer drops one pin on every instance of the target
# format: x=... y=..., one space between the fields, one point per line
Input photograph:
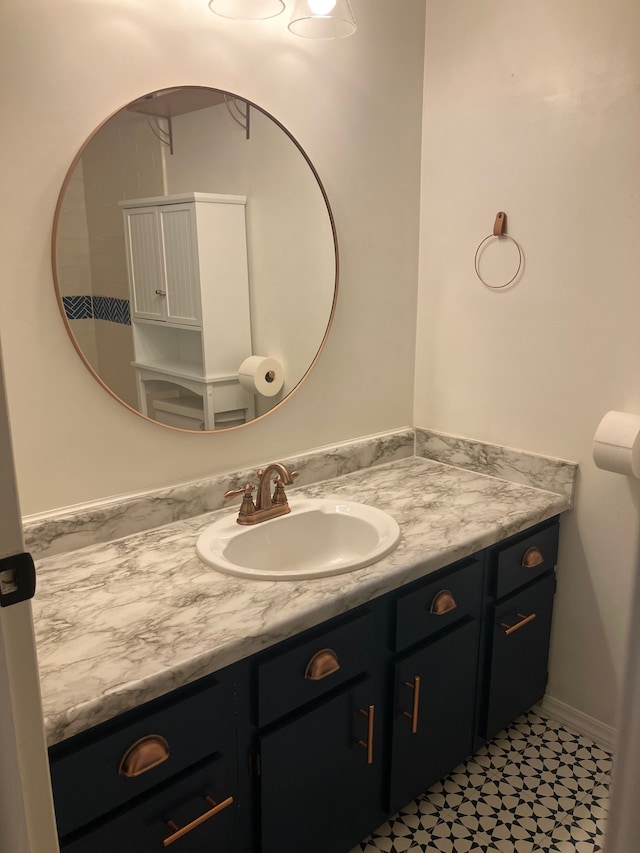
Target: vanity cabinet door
x=321 y=775
x=521 y=632
x=164 y=739
x=433 y=712
x=195 y=814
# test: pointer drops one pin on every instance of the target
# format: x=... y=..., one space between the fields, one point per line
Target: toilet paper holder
x=616 y=444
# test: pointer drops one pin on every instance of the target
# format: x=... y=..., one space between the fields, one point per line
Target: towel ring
x=498 y=231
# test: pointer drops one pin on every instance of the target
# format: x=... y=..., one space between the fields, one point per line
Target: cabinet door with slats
x=181 y=266
x=146 y=271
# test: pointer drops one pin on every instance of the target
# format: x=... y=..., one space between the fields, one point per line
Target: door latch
x=17 y=579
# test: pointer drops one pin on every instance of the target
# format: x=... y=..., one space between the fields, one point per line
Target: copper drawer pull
x=180 y=831
x=524 y=620
x=413 y=716
x=368 y=743
x=444 y=602
x=143 y=755
x=322 y=664
x=532 y=558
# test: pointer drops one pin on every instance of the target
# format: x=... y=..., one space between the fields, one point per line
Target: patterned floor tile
x=536 y=788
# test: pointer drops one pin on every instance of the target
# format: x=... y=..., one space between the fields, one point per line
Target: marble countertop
x=120 y=623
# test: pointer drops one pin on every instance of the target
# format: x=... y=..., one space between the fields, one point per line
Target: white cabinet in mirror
x=187 y=225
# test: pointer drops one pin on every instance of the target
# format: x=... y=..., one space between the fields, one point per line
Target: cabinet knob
x=179 y=831
x=143 y=755
x=444 y=602
x=323 y=663
x=161 y=292
x=532 y=557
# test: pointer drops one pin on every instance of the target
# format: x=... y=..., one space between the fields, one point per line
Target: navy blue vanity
x=312 y=743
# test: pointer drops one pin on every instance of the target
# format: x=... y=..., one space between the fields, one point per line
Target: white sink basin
x=317 y=538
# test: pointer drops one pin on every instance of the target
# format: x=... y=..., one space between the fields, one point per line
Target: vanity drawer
x=202 y=804
x=89 y=779
x=313 y=667
x=529 y=557
x=436 y=604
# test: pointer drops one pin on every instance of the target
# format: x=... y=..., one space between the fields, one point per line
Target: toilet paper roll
x=260 y=375
x=616 y=444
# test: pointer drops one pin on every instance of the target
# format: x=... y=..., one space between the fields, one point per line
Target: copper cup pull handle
x=143 y=755
x=524 y=620
x=323 y=663
x=532 y=558
x=413 y=716
x=179 y=831
x=444 y=602
x=368 y=743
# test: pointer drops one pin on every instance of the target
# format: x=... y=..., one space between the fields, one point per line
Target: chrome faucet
x=266 y=505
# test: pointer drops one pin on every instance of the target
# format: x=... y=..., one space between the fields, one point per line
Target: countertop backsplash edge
x=69 y=529
x=62 y=531
x=494 y=460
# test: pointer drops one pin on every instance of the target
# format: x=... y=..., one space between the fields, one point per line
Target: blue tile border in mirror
x=108 y=308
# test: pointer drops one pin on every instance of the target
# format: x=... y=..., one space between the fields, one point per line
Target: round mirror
x=195 y=259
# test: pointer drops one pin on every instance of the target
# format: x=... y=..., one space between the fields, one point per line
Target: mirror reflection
x=195 y=259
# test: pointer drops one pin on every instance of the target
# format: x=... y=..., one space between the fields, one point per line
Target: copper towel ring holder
x=498 y=231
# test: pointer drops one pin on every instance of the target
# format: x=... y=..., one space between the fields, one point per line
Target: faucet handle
x=279 y=496
x=247 y=507
x=246 y=490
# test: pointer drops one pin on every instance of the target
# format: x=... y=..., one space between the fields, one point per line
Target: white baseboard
x=578 y=722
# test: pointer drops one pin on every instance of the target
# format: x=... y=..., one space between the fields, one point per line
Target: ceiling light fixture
x=322 y=19
x=247 y=10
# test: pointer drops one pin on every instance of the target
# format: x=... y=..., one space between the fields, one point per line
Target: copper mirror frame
x=241 y=111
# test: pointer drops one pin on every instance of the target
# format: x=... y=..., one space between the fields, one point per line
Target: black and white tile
x=536 y=788
x=85 y=307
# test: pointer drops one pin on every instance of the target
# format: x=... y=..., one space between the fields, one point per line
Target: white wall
x=355 y=107
x=534 y=108
x=289 y=239
x=530 y=108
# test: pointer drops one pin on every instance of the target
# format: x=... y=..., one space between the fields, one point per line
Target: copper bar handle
x=323 y=663
x=143 y=755
x=413 y=716
x=532 y=558
x=524 y=620
x=180 y=831
x=368 y=744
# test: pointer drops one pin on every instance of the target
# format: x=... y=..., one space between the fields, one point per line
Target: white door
x=623 y=829
x=27 y=823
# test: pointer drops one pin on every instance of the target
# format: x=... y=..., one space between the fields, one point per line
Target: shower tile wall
x=121 y=162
